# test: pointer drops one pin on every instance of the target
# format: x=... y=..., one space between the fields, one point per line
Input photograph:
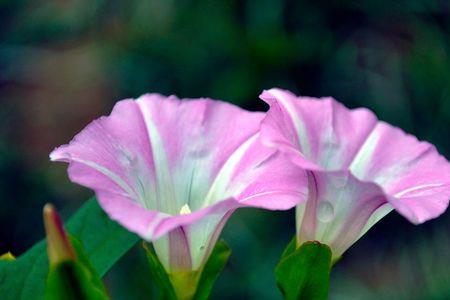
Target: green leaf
x=74 y=279
x=70 y=280
x=290 y=247
x=104 y=242
x=159 y=274
x=196 y=285
x=305 y=273
x=212 y=270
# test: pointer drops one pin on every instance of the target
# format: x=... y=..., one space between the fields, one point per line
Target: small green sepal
x=304 y=273
x=188 y=284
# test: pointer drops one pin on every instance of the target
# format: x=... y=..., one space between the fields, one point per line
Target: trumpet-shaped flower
x=359 y=168
x=173 y=171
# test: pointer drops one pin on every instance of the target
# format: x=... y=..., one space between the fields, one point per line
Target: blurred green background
x=64 y=63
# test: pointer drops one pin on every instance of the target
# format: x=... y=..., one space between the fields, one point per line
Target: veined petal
x=323 y=135
x=194 y=234
x=159 y=164
x=339 y=210
x=264 y=178
x=412 y=173
x=359 y=168
x=194 y=140
x=112 y=154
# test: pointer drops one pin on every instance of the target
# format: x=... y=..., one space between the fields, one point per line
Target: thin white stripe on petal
x=223 y=177
x=362 y=159
x=376 y=216
x=165 y=188
x=271 y=193
x=108 y=173
x=303 y=138
x=418 y=187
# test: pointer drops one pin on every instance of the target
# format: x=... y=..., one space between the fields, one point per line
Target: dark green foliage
x=305 y=273
x=74 y=279
x=104 y=242
x=159 y=275
x=70 y=280
x=212 y=270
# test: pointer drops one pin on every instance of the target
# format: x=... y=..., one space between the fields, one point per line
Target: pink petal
x=272 y=182
x=200 y=231
x=323 y=135
x=155 y=156
x=106 y=153
x=339 y=210
x=159 y=152
x=412 y=173
x=202 y=226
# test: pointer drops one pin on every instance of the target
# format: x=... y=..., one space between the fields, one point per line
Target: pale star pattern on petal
x=359 y=168
x=173 y=171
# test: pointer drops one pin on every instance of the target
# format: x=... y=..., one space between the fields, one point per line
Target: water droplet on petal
x=128 y=159
x=198 y=152
x=325 y=212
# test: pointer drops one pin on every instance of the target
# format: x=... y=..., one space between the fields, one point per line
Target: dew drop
x=128 y=159
x=198 y=153
x=325 y=212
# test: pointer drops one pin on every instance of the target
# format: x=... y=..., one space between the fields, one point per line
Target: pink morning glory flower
x=173 y=171
x=359 y=168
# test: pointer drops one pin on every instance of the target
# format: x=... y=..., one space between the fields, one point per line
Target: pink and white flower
x=173 y=171
x=359 y=168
